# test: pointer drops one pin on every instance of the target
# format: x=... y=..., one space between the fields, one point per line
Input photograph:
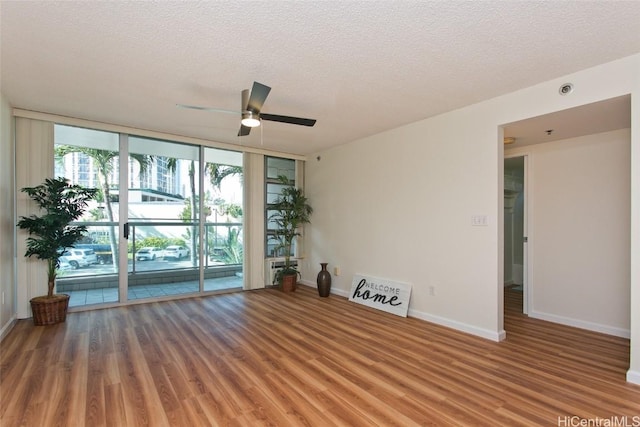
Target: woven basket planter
x=289 y=282
x=49 y=310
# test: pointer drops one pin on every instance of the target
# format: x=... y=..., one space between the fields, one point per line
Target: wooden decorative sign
x=385 y=295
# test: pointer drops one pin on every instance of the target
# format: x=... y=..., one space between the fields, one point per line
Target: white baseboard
x=340 y=292
x=633 y=376
x=460 y=326
x=309 y=283
x=7 y=328
x=314 y=285
x=582 y=324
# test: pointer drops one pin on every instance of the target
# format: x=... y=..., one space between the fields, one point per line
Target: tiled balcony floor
x=100 y=296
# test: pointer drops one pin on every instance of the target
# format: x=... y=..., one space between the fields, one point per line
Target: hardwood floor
x=268 y=358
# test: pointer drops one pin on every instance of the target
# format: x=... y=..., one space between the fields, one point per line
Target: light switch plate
x=479 y=220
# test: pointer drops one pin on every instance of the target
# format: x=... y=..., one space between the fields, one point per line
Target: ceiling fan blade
x=251 y=105
x=244 y=130
x=288 y=119
x=217 y=110
x=258 y=95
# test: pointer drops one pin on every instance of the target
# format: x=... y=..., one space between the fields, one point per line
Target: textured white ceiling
x=603 y=116
x=358 y=67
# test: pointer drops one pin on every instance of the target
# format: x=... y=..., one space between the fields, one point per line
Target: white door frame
x=123 y=220
x=526 y=231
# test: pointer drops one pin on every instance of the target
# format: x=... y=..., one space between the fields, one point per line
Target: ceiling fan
x=252 y=110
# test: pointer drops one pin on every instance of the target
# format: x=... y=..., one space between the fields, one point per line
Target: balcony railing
x=222 y=249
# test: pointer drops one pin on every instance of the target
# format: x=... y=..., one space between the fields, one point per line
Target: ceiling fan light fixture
x=250 y=120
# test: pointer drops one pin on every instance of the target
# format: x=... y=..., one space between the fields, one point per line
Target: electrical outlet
x=336 y=271
x=432 y=291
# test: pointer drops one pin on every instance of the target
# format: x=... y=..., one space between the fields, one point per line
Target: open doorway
x=576 y=262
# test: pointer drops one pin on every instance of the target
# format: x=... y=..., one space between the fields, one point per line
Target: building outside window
x=167 y=207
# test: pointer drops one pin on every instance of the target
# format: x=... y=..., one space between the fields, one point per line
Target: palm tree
x=104 y=161
x=217 y=172
x=51 y=232
x=172 y=165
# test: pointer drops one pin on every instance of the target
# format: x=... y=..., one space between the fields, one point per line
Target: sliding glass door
x=163 y=216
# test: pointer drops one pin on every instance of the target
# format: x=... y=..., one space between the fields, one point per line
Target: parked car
x=80 y=257
x=149 y=254
x=176 y=252
x=64 y=264
x=103 y=252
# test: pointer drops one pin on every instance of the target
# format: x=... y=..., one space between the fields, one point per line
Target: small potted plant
x=50 y=234
x=291 y=212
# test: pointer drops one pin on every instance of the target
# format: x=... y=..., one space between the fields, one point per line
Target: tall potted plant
x=50 y=234
x=291 y=211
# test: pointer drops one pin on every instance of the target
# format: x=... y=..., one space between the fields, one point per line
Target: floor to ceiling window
x=181 y=217
x=223 y=213
x=90 y=158
x=276 y=168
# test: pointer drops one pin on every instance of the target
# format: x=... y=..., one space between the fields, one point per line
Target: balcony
x=157 y=276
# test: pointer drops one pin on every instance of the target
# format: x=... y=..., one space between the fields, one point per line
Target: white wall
x=398 y=204
x=580 y=221
x=633 y=374
x=7 y=219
